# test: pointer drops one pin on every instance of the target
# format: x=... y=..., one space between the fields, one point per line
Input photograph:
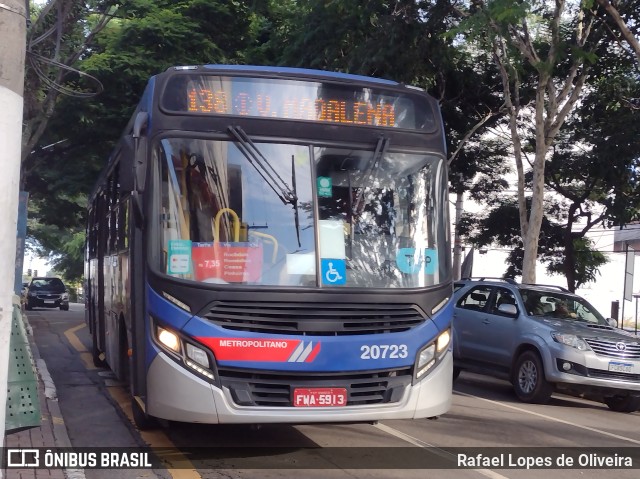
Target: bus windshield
x=278 y=214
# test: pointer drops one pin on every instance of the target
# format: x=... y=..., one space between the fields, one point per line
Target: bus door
x=97 y=299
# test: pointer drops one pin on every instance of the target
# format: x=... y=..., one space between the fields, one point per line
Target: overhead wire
x=36 y=60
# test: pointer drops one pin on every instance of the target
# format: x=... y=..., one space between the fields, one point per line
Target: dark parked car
x=47 y=293
x=544 y=338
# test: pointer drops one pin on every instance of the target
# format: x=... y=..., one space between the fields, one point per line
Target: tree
x=146 y=37
x=58 y=37
x=593 y=171
x=405 y=41
x=550 y=47
x=595 y=163
x=613 y=10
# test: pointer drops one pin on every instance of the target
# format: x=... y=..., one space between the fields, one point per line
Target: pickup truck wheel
x=623 y=403
x=528 y=379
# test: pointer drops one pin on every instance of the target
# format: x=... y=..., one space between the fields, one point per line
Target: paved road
x=485 y=413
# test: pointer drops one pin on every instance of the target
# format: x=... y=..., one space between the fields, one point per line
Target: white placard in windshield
x=332 y=240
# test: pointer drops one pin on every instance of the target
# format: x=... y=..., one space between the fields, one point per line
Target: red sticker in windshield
x=230 y=262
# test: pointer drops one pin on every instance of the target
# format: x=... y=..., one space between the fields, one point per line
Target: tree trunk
x=624 y=29
x=457 y=243
x=536 y=213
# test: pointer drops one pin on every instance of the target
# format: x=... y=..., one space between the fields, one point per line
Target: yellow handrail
x=273 y=240
x=236 y=225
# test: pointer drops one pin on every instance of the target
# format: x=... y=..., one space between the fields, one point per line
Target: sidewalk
x=52 y=431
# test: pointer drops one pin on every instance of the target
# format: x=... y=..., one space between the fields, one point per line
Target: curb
x=60 y=433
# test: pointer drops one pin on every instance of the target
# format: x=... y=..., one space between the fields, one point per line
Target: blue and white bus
x=272 y=245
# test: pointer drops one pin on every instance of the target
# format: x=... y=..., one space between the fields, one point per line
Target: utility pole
x=13 y=32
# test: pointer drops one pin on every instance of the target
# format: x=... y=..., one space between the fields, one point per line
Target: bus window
x=391 y=234
x=222 y=221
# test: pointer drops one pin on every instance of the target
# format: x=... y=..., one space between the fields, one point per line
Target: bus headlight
x=426 y=360
x=197 y=354
x=442 y=343
x=428 y=355
x=168 y=339
x=198 y=360
x=187 y=354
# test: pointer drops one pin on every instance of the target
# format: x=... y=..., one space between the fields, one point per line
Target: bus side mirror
x=127 y=172
x=136 y=204
x=139 y=149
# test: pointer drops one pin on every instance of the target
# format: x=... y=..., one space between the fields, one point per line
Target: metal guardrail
x=23 y=403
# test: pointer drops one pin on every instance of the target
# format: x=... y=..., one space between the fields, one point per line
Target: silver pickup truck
x=544 y=338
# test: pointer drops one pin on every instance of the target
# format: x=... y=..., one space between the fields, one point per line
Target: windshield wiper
x=263 y=167
x=261 y=164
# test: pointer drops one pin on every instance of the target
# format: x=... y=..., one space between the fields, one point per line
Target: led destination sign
x=296 y=100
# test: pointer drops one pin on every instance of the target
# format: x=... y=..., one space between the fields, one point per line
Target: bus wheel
x=142 y=420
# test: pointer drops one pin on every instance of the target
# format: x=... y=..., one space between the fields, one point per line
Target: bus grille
x=318 y=319
x=276 y=389
x=611 y=349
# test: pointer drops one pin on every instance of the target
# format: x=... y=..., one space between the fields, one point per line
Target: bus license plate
x=620 y=367
x=319 y=397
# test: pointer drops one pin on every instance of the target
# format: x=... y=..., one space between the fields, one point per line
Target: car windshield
x=561 y=306
x=50 y=284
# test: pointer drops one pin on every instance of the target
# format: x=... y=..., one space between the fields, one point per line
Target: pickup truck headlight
x=570 y=340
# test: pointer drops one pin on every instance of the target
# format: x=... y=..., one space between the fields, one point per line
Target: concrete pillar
x=13 y=32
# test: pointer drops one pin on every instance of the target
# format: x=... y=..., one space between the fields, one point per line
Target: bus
x=272 y=245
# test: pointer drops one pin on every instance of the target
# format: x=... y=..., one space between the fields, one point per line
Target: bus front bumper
x=174 y=393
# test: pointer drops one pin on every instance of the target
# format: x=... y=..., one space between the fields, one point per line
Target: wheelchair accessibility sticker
x=412 y=261
x=334 y=271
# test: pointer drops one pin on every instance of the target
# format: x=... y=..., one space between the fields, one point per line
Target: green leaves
x=147 y=37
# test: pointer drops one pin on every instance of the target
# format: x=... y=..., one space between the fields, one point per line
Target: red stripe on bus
x=243 y=349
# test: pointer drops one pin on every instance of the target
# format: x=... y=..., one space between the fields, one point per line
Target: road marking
x=434 y=449
x=551 y=418
x=85 y=356
x=179 y=467
x=74 y=340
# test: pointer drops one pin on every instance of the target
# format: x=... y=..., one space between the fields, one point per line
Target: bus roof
x=277 y=70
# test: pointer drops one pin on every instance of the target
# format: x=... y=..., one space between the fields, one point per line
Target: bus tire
x=142 y=420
